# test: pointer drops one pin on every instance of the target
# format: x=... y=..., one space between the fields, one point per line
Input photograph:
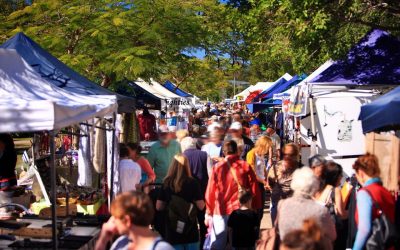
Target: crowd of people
x=207 y=187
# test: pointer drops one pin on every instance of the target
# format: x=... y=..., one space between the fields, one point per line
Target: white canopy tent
x=171 y=101
x=332 y=113
x=30 y=103
x=242 y=95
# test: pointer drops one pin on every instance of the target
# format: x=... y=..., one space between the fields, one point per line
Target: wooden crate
x=386 y=146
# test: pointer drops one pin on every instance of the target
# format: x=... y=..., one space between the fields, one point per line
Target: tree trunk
x=106 y=80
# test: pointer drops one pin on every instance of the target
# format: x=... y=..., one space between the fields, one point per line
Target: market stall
x=58 y=73
x=264 y=93
x=337 y=91
x=381 y=122
x=29 y=103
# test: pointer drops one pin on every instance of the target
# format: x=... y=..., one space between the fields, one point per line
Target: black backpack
x=384 y=234
x=181 y=215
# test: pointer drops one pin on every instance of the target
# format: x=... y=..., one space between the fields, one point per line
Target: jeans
x=219 y=233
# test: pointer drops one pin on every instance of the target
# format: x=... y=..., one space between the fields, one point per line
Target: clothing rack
x=91 y=125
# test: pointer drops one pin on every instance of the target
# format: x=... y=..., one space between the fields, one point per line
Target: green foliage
x=112 y=40
x=299 y=35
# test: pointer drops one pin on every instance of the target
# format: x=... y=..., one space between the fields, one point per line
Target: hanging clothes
x=113 y=160
x=99 y=154
x=85 y=168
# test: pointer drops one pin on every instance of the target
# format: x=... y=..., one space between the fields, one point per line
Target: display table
x=76 y=237
x=36 y=207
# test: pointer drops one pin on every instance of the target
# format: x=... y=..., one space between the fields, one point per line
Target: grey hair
x=188 y=143
x=304 y=181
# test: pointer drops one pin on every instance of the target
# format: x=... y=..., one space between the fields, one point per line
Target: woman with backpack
x=373 y=201
x=181 y=198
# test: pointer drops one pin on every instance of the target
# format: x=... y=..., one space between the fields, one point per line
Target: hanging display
x=298 y=100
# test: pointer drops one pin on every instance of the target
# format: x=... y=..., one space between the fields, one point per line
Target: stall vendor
x=147 y=126
x=8 y=161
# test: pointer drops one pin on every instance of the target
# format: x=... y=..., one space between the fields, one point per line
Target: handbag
x=384 y=234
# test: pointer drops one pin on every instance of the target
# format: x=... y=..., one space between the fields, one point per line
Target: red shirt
x=222 y=190
x=146 y=168
x=147 y=124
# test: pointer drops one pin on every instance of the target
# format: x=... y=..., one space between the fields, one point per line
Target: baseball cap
x=236 y=126
x=172 y=129
x=163 y=129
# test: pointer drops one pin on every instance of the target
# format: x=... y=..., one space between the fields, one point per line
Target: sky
x=200 y=53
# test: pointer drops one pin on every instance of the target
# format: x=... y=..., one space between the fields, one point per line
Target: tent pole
x=113 y=157
x=53 y=191
x=313 y=129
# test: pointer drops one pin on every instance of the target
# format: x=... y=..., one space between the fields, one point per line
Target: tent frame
x=53 y=177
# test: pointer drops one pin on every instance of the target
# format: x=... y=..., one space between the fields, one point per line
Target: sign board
x=298 y=101
x=177 y=102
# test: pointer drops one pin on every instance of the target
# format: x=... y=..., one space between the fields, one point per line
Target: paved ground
x=266 y=221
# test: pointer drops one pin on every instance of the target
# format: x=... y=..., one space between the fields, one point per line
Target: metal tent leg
x=53 y=191
x=113 y=159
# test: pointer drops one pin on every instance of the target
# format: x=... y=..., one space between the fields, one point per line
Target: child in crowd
x=243 y=225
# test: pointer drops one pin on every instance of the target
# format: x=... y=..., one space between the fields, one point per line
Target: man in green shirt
x=161 y=153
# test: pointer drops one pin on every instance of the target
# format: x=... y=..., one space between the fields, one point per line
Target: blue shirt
x=364 y=207
x=198 y=166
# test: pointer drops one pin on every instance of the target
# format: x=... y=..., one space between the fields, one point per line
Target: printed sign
x=178 y=102
x=345 y=131
x=298 y=101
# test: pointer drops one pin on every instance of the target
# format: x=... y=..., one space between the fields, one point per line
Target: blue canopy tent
x=257 y=107
x=59 y=74
x=144 y=99
x=375 y=60
x=382 y=114
x=282 y=88
x=174 y=89
x=266 y=93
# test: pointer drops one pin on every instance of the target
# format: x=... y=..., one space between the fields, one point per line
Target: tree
x=297 y=36
x=112 y=40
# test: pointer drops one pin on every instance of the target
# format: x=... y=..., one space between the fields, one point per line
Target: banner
x=285 y=104
x=298 y=101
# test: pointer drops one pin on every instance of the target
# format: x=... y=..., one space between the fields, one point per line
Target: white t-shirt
x=129 y=175
x=212 y=149
x=260 y=167
x=276 y=145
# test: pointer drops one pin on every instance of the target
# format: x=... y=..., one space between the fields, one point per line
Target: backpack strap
x=158 y=241
x=374 y=203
